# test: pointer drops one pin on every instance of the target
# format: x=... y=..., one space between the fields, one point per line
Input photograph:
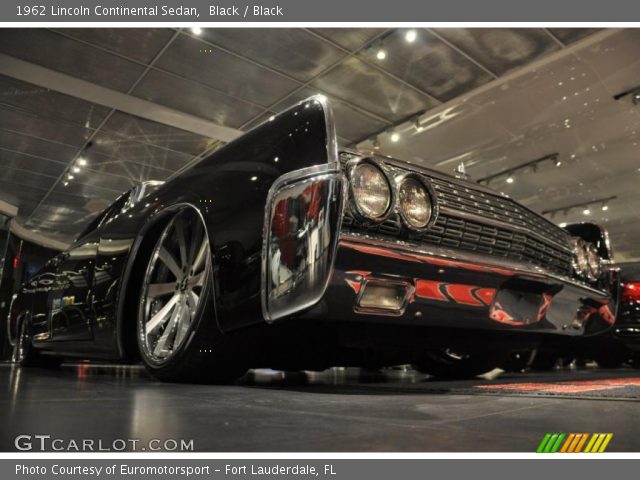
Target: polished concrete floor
x=336 y=410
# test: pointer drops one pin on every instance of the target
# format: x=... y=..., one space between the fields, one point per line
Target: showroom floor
x=336 y=410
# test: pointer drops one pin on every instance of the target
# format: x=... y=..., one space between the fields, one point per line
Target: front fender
x=231 y=190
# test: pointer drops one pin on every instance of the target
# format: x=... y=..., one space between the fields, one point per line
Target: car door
x=70 y=299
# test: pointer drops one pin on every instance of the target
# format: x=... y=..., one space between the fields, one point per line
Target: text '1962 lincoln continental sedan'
x=281 y=250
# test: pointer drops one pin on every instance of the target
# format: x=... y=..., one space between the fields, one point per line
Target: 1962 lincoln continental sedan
x=281 y=250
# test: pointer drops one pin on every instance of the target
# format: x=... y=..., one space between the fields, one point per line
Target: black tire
x=444 y=363
x=183 y=344
x=24 y=353
x=543 y=361
x=609 y=360
x=517 y=361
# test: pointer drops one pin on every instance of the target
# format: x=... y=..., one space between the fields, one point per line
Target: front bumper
x=448 y=289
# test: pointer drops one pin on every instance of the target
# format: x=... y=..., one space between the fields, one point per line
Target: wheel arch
x=135 y=268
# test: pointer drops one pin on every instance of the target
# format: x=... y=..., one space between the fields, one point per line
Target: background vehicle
x=279 y=251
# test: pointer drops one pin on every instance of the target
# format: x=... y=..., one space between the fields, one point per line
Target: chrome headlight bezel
x=579 y=258
x=431 y=196
x=594 y=261
x=353 y=203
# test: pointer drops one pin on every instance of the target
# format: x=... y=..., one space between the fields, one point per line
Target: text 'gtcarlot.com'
x=45 y=443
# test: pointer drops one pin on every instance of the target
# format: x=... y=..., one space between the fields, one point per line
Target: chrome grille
x=478 y=221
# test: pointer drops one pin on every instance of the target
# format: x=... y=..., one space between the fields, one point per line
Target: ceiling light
x=66 y=183
x=586 y=211
x=254 y=178
x=411 y=36
x=82 y=162
x=196 y=30
x=276 y=159
x=563 y=224
x=605 y=207
x=76 y=169
x=70 y=177
x=510 y=179
x=558 y=163
x=395 y=137
x=381 y=54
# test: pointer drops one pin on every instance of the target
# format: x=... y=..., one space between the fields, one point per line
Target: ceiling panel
x=293 y=51
x=428 y=63
x=19 y=195
x=122 y=148
x=135 y=172
x=570 y=35
x=187 y=57
x=349 y=38
x=45 y=129
x=33 y=146
x=112 y=183
x=373 y=90
x=194 y=98
x=501 y=49
x=141 y=44
x=149 y=132
x=26 y=178
x=49 y=104
x=351 y=124
x=59 y=53
x=9 y=159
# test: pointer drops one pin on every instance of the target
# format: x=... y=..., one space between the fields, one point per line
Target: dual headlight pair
x=586 y=260
x=375 y=195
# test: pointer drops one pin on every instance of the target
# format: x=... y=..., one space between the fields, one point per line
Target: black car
x=282 y=250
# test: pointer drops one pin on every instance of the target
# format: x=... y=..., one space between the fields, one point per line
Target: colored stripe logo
x=574 y=443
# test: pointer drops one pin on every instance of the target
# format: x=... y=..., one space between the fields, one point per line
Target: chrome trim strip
x=464 y=257
x=12 y=341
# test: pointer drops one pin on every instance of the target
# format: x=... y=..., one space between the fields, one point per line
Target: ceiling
x=488 y=96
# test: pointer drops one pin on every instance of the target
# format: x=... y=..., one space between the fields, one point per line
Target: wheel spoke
x=195 y=239
x=198 y=263
x=169 y=332
x=183 y=325
x=182 y=243
x=193 y=300
x=196 y=280
x=161 y=317
x=160 y=289
x=169 y=261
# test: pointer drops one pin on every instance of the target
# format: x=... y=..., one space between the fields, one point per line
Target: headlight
x=370 y=190
x=414 y=203
x=580 y=262
x=593 y=261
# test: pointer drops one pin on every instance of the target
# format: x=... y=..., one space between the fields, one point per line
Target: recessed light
x=411 y=36
x=510 y=180
x=254 y=178
x=196 y=30
x=76 y=169
x=586 y=211
x=381 y=54
x=82 y=162
x=395 y=137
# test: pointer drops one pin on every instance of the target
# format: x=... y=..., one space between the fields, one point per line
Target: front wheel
x=177 y=335
x=447 y=363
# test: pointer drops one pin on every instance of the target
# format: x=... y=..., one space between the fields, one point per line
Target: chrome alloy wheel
x=173 y=287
